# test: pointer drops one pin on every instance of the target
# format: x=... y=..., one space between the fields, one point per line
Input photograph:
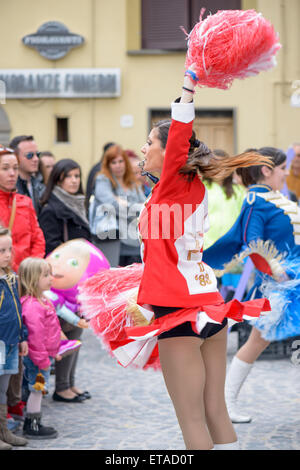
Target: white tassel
x=266 y=249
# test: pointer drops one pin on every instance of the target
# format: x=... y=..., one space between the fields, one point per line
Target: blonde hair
x=11 y=277
x=30 y=271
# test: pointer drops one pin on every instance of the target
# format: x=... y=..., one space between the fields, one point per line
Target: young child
x=44 y=335
x=12 y=335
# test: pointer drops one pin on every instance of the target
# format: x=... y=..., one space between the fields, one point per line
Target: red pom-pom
x=105 y=301
x=231 y=44
x=104 y=298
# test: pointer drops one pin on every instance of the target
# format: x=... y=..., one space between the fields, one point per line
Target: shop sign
x=61 y=83
x=53 y=40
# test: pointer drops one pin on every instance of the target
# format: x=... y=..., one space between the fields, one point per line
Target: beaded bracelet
x=192 y=74
x=187 y=89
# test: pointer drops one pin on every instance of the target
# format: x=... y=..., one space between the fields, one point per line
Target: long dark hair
x=253 y=174
x=203 y=162
x=58 y=174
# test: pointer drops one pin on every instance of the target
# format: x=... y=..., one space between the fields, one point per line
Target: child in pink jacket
x=44 y=335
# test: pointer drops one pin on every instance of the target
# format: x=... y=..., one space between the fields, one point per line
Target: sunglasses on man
x=30 y=155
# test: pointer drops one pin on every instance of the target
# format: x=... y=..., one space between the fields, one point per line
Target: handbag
x=103 y=221
x=128 y=221
x=128 y=229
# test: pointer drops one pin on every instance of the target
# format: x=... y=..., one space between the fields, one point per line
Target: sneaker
x=33 y=429
x=68 y=347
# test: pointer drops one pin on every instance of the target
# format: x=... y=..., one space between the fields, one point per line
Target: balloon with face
x=72 y=263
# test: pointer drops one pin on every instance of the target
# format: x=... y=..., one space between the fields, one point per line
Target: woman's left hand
x=82 y=323
x=23 y=348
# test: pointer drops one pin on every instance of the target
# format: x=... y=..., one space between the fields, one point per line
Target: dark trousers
x=65 y=369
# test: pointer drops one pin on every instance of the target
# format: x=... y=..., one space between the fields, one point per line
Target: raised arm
x=180 y=132
x=188 y=87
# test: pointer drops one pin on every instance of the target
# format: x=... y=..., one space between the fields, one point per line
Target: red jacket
x=28 y=238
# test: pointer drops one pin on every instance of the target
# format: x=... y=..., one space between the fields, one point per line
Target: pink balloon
x=72 y=263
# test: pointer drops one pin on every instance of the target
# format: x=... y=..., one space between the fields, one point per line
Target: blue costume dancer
x=268 y=230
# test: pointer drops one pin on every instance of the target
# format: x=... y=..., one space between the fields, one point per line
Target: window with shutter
x=162 y=20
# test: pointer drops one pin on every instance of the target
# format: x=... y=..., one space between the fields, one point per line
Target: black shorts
x=185 y=329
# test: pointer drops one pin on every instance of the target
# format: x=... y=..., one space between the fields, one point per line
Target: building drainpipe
x=283 y=83
x=93 y=65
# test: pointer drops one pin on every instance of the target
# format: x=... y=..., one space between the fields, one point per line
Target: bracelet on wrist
x=192 y=74
x=187 y=89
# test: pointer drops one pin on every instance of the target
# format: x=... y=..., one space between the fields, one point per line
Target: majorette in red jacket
x=28 y=238
x=172 y=225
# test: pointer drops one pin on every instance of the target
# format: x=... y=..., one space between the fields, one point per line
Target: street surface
x=130 y=409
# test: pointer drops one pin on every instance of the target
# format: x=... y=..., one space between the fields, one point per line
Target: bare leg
x=184 y=373
x=214 y=356
x=253 y=347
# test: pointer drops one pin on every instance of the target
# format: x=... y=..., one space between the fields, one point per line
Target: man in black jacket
x=27 y=153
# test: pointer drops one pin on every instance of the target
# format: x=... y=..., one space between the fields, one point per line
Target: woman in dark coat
x=63 y=215
x=63 y=218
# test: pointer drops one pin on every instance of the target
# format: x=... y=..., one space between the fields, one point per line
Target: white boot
x=235 y=378
x=230 y=446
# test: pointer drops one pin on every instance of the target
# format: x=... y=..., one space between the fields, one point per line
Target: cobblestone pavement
x=130 y=409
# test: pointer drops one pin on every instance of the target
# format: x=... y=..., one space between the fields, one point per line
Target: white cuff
x=183 y=112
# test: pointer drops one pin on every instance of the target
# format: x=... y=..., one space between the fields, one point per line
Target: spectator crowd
x=43 y=205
